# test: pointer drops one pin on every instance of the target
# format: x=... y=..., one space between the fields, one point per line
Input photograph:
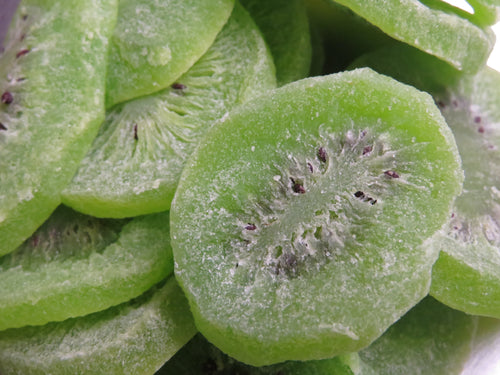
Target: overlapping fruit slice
x=154 y=42
x=299 y=224
x=432 y=338
x=76 y=265
x=285 y=26
x=133 y=338
x=467 y=274
x=135 y=163
x=445 y=33
x=52 y=103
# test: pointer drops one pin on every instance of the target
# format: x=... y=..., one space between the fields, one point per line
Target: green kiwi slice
x=199 y=357
x=431 y=337
x=135 y=162
x=285 y=26
x=154 y=42
x=467 y=274
x=453 y=38
x=299 y=226
x=52 y=103
x=133 y=338
x=76 y=264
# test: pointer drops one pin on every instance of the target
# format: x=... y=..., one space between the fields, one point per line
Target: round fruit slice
x=285 y=26
x=431 y=337
x=467 y=274
x=52 y=77
x=75 y=265
x=134 y=165
x=129 y=339
x=199 y=357
x=299 y=224
x=453 y=38
x=154 y=42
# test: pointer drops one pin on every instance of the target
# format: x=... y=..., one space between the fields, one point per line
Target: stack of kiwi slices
x=292 y=187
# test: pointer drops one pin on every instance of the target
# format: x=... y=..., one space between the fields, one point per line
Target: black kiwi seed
x=135 y=132
x=251 y=226
x=297 y=187
x=7 y=97
x=22 y=53
x=2 y=126
x=477 y=119
x=367 y=149
x=178 y=86
x=322 y=154
x=480 y=129
x=391 y=174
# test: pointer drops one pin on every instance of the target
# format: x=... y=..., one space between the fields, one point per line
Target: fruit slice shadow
x=154 y=42
x=307 y=210
x=52 y=103
x=136 y=160
x=467 y=274
x=133 y=338
x=75 y=265
x=453 y=39
x=199 y=357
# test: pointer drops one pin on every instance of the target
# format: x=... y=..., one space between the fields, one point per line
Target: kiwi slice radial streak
x=299 y=226
x=135 y=162
x=52 y=77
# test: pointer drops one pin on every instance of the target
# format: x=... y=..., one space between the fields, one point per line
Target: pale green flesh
x=76 y=265
x=156 y=41
x=199 y=357
x=453 y=38
x=133 y=338
x=134 y=165
x=58 y=105
x=431 y=339
x=285 y=27
x=467 y=274
x=272 y=274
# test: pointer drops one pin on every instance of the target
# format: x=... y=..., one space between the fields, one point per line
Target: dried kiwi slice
x=299 y=224
x=453 y=38
x=467 y=274
x=134 y=165
x=52 y=77
x=76 y=264
x=199 y=357
x=285 y=26
x=431 y=337
x=156 y=41
x=133 y=338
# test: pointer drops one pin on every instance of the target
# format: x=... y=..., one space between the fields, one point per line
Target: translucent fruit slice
x=199 y=357
x=432 y=338
x=129 y=339
x=75 y=265
x=299 y=224
x=134 y=165
x=285 y=26
x=156 y=41
x=453 y=38
x=467 y=274
x=52 y=76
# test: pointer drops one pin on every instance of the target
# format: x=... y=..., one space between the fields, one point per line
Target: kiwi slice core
x=308 y=210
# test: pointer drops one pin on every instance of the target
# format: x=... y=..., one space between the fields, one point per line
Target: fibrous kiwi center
x=322 y=203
